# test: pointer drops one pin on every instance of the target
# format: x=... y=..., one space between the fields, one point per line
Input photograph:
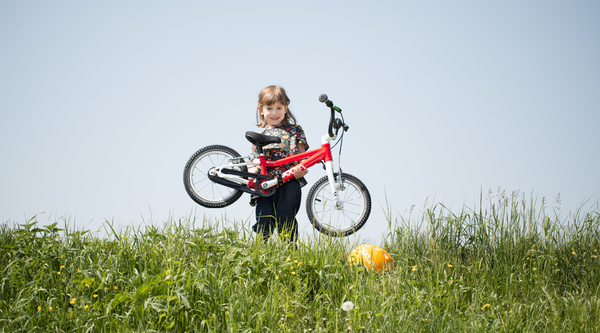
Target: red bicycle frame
x=309 y=158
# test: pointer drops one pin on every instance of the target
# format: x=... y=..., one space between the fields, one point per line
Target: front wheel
x=200 y=187
x=348 y=216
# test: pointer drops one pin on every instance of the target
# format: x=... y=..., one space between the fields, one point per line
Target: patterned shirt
x=291 y=136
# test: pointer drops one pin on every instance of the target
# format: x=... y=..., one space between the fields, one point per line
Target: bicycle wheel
x=342 y=220
x=199 y=186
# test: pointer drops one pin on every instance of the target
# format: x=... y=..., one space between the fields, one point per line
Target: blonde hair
x=271 y=95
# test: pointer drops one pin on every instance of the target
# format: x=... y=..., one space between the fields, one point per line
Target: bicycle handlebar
x=332 y=123
x=324 y=99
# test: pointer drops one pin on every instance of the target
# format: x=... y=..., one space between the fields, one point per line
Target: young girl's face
x=274 y=114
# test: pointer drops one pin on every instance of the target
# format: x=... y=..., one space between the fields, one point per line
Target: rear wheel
x=343 y=219
x=200 y=187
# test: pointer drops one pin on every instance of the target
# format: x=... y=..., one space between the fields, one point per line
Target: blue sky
x=101 y=104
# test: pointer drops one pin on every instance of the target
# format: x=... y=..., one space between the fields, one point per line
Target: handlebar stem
x=331 y=120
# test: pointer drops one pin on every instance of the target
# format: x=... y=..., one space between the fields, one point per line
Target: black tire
x=198 y=185
x=342 y=221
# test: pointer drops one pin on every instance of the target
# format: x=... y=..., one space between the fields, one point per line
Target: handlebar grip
x=324 y=99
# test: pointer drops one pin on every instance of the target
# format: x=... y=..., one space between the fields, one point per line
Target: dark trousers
x=279 y=212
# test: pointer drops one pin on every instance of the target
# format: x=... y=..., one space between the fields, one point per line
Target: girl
x=279 y=210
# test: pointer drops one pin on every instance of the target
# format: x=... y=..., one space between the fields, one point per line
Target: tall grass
x=507 y=268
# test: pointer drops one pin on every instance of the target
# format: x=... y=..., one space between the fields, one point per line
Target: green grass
x=508 y=268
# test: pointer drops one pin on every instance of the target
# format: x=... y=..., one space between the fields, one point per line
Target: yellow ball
x=374 y=258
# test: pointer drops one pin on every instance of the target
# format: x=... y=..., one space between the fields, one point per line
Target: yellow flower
x=533 y=245
x=595 y=256
x=95 y=295
x=573 y=253
x=58 y=273
x=49 y=308
x=288 y=259
x=277 y=277
x=300 y=263
x=61 y=267
x=73 y=300
x=85 y=306
x=449 y=265
x=115 y=287
x=87 y=285
x=78 y=271
x=414 y=268
x=39 y=308
x=296 y=261
x=485 y=307
x=596 y=250
x=510 y=311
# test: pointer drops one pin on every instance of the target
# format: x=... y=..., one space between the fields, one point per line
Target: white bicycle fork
x=329 y=169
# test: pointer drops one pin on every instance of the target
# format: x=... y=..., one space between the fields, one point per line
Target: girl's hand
x=299 y=173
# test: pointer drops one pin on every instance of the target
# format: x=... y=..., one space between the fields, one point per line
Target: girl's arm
x=298 y=173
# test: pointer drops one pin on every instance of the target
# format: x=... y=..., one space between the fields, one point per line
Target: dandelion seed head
x=347 y=306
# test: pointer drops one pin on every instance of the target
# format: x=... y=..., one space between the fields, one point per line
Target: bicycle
x=338 y=204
